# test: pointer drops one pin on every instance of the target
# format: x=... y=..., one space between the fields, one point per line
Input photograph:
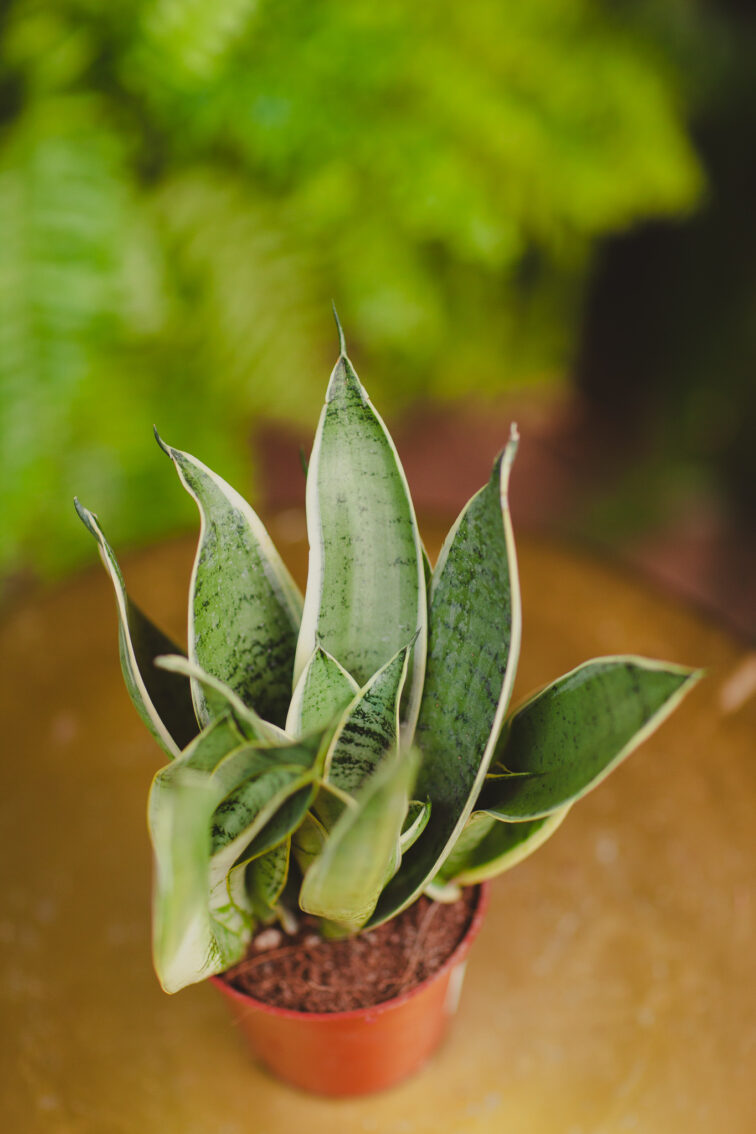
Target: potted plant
x=342 y=766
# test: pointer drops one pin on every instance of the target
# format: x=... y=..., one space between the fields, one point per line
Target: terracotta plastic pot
x=364 y=1050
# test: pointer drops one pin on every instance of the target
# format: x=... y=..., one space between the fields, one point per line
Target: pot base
x=362 y=1050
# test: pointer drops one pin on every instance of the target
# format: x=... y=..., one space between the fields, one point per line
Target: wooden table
x=612 y=988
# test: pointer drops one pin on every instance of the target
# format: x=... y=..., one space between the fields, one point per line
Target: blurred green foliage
x=184 y=186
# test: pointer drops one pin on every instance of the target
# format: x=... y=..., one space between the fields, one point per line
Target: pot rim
x=454 y=958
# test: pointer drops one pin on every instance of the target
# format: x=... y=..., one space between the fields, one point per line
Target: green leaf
x=488 y=846
x=251 y=724
x=162 y=700
x=308 y=841
x=187 y=943
x=343 y=883
x=266 y=877
x=473 y=648
x=365 y=595
x=367 y=731
x=415 y=823
x=570 y=736
x=244 y=606
x=322 y=693
x=205 y=828
x=369 y=727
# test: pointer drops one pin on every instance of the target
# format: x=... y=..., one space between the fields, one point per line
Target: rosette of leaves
x=346 y=752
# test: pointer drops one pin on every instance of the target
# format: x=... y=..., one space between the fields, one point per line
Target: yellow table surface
x=612 y=988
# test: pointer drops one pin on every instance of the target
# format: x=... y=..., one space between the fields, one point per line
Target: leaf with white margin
x=365 y=596
x=244 y=607
x=366 y=732
x=251 y=724
x=322 y=693
x=163 y=701
x=566 y=739
x=345 y=880
x=473 y=649
x=203 y=915
x=489 y=846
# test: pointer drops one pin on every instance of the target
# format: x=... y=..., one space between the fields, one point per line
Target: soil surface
x=307 y=973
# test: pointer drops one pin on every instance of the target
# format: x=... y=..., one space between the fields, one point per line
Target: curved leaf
x=251 y=724
x=488 y=846
x=473 y=648
x=365 y=595
x=322 y=693
x=205 y=828
x=343 y=883
x=244 y=606
x=163 y=701
x=566 y=739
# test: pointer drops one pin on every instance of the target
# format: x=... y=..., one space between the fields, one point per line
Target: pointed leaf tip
x=166 y=448
x=342 y=340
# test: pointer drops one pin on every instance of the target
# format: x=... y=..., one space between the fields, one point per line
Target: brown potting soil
x=307 y=973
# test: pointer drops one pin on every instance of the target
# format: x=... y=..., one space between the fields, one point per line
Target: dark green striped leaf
x=570 y=736
x=322 y=693
x=163 y=700
x=244 y=606
x=365 y=594
x=367 y=731
x=473 y=648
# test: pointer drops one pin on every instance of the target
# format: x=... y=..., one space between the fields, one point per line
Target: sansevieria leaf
x=163 y=700
x=489 y=846
x=322 y=693
x=251 y=723
x=365 y=595
x=367 y=731
x=244 y=608
x=570 y=736
x=266 y=878
x=473 y=648
x=344 y=881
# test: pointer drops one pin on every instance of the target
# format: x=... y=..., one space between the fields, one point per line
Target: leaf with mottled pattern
x=244 y=608
x=473 y=648
x=365 y=595
x=367 y=731
x=251 y=724
x=572 y=734
x=322 y=693
x=163 y=700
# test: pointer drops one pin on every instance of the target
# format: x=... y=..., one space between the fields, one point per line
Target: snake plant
x=346 y=752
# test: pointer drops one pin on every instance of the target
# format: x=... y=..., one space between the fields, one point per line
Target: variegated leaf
x=244 y=606
x=473 y=648
x=488 y=846
x=187 y=944
x=162 y=700
x=251 y=724
x=265 y=879
x=322 y=693
x=205 y=828
x=343 y=883
x=572 y=734
x=367 y=731
x=365 y=595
